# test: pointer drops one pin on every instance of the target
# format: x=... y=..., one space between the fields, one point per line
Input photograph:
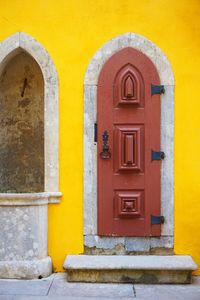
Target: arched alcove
x=28 y=155
x=10 y=48
x=21 y=126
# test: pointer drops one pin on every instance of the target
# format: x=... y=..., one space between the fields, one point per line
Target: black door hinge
x=95 y=132
x=157 y=155
x=157 y=89
x=157 y=220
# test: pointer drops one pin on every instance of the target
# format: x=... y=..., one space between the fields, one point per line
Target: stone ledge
x=26 y=269
x=139 y=262
x=125 y=268
x=30 y=199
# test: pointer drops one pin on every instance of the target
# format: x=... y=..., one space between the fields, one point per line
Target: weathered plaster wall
x=21 y=126
x=72 y=31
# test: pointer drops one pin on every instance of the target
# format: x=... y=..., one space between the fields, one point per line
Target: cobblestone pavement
x=56 y=287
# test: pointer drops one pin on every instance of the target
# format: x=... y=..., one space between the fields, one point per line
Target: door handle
x=105 y=154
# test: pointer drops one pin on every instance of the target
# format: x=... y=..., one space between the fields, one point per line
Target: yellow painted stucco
x=72 y=31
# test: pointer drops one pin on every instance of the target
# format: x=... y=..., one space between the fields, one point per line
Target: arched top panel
x=137 y=42
x=128 y=86
x=128 y=70
x=10 y=47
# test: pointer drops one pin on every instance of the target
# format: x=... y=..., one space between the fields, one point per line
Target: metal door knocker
x=105 y=154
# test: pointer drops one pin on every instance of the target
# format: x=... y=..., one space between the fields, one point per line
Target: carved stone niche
x=28 y=156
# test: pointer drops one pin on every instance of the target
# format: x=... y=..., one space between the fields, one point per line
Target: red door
x=128 y=130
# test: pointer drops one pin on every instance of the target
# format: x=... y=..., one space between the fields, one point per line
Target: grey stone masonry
x=125 y=268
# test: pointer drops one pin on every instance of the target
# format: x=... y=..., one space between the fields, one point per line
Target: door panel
x=128 y=147
x=128 y=181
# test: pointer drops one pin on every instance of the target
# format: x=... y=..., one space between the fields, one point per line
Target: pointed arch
x=33 y=205
x=11 y=47
x=128 y=86
x=162 y=64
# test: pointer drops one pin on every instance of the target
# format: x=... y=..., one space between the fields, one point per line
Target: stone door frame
x=132 y=244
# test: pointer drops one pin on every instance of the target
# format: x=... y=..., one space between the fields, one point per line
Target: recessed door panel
x=129 y=141
x=128 y=87
x=129 y=204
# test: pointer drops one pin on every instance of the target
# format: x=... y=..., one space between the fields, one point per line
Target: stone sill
x=121 y=262
x=32 y=199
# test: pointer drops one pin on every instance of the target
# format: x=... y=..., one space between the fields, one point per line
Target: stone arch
x=11 y=47
x=133 y=244
x=30 y=209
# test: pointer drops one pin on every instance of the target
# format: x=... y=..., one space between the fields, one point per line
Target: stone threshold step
x=127 y=268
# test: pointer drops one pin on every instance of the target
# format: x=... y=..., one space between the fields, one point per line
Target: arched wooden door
x=128 y=121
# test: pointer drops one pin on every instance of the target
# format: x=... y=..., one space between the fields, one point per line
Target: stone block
x=87 y=290
x=129 y=269
x=137 y=245
x=166 y=292
x=26 y=269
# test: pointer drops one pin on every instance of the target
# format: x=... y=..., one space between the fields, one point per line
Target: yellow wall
x=71 y=31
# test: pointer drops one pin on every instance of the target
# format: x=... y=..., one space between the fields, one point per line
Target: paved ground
x=57 y=288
